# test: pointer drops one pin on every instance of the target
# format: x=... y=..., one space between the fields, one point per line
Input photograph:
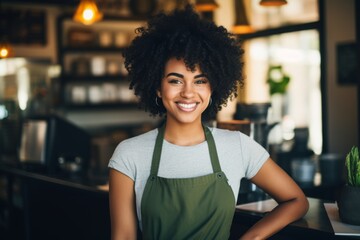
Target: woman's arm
x=122 y=206
x=292 y=202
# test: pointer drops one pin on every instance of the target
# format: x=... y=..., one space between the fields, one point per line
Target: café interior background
x=315 y=98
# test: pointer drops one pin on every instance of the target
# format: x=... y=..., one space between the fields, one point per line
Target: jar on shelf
x=113 y=67
x=105 y=38
x=95 y=94
x=121 y=39
x=78 y=94
x=98 y=66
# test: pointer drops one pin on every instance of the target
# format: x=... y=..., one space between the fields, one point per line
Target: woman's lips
x=187 y=107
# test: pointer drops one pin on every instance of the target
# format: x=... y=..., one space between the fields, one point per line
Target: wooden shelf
x=69 y=52
x=92 y=106
x=91 y=78
x=89 y=49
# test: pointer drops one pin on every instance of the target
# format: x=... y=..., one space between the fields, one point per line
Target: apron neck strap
x=212 y=150
x=159 y=143
x=157 y=151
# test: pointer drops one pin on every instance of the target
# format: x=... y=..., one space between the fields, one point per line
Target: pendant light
x=272 y=3
x=241 y=25
x=87 y=12
x=5 y=47
x=206 y=5
x=5 y=50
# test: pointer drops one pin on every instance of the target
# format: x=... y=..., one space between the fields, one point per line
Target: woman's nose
x=187 y=90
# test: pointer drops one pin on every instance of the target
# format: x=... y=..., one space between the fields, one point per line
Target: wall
x=341 y=113
x=90 y=118
x=225 y=16
x=40 y=52
x=342 y=118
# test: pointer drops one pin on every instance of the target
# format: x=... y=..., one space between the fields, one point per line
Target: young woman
x=181 y=181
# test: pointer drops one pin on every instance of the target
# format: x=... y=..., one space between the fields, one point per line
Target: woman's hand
x=293 y=204
x=122 y=206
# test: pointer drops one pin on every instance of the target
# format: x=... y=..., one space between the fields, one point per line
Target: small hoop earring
x=156 y=102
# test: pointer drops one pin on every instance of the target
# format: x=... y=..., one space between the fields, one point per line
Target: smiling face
x=185 y=94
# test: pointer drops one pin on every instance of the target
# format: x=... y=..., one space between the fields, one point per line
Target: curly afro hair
x=183 y=35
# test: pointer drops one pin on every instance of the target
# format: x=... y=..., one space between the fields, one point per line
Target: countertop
x=52 y=206
x=315 y=224
x=86 y=183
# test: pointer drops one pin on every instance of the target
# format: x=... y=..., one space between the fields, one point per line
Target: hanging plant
x=277 y=80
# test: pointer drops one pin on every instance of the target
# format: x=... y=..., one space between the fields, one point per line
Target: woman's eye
x=174 y=81
x=201 y=81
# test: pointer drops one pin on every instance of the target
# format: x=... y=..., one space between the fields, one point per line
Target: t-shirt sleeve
x=254 y=155
x=121 y=161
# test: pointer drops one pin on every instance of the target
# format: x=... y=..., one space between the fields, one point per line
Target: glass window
x=298 y=55
x=25 y=80
x=294 y=12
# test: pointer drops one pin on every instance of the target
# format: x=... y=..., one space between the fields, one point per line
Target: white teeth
x=187 y=106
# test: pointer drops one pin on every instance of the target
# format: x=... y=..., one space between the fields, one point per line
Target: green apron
x=187 y=208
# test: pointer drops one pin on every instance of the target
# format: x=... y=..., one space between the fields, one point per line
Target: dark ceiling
x=42 y=2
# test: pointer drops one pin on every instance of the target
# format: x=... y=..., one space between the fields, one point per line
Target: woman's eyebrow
x=182 y=76
x=175 y=74
x=200 y=75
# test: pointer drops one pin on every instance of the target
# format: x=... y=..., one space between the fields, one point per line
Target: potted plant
x=278 y=82
x=349 y=200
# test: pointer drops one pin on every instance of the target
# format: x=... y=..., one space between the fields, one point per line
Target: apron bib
x=187 y=208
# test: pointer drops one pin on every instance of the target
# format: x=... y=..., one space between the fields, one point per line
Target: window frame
x=313 y=25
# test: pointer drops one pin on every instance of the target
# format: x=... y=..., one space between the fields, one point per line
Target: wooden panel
x=54 y=211
x=237 y=125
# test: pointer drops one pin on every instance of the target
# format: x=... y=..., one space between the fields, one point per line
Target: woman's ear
x=158 y=93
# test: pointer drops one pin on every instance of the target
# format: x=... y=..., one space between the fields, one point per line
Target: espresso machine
x=53 y=145
x=256 y=114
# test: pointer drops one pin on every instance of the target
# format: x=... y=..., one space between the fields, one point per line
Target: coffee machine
x=54 y=145
x=257 y=114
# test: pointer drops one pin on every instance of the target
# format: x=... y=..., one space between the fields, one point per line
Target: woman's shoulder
x=134 y=148
x=230 y=138
x=225 y=133
x=144 y=138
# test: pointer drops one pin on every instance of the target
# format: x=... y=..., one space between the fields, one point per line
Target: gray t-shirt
x=239 y=156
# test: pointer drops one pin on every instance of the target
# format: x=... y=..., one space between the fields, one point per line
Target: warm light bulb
x=4 y=52
x=206 y=5
x=272 y=3
x=88 y=14
x=242 y=29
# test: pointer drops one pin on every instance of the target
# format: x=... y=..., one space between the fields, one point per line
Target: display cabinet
x=93 y=73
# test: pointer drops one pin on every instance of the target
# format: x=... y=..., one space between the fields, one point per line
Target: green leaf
x=357 y=176
x=353 y=167
x=277 y=84
x=348 y=168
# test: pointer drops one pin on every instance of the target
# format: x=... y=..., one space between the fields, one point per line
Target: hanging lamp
x=206 y=5
x=241 y=25
x=272 y=3
x=5 y=50
x=87 y=12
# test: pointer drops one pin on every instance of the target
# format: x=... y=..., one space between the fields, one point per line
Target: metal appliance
x=54 y=145
x=257 y=114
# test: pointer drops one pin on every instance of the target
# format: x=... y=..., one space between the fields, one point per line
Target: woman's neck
x=184 y=134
